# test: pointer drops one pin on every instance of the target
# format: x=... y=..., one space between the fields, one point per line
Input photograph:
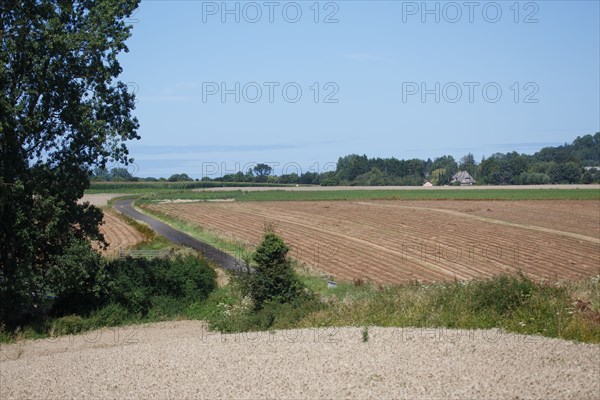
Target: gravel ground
x=182 y=360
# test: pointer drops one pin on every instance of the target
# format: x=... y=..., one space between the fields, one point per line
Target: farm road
x=213 y=254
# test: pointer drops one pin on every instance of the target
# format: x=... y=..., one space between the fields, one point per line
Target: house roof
x=462 y=177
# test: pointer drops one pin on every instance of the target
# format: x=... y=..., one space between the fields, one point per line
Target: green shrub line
x=513 y=304
x=92 y=293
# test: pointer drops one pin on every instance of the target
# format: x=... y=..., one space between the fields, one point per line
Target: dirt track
x=182 y=360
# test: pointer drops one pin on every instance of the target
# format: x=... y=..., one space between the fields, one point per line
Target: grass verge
x=512 y=304
x=151 y=240
x=235 y=248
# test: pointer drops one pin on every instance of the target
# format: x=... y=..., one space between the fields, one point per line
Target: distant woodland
x=577 y=162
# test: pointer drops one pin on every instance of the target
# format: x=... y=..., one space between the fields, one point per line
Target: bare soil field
x=182 y=360
x=400 y=241
x=118 y=234
x=580 y=217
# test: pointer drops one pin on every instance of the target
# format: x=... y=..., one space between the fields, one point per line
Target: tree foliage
x=274 y=279
x=549 y=165
x=180 y=178
x=262 y=170
x=440 y=177
x=62 y=113
x=468 y=163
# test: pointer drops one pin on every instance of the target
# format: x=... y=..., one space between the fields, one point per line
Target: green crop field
x=408 y=194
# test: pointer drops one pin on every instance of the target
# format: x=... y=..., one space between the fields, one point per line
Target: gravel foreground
x=183 y=360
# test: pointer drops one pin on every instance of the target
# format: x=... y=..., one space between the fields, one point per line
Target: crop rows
x=395 y=242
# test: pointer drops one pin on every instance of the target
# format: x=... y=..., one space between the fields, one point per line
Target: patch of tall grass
x=511 y=303
x=235 y=248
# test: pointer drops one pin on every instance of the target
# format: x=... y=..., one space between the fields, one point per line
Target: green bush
x=131 y=284
x=286 y=315
x=69 y=325
x=163 y=307
x=234 y=313
x=274 y=279
x=185 y=277
x=72 y=282
x=210 y=307
x=137 y=281
x=112 y=314
x=501 y=295
x=78 y=279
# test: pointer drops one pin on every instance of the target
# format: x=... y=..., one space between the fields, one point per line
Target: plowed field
x=399 y=241
x=118 y=234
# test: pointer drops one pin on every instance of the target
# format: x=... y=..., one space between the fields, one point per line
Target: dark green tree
x=468 y=163
x=274 y=278
x=309 y=178
x=289 y=178
x=262 y=170
x=100 y=174
x=569 y=172
x=372 y=178
x=351 y=166
x=446 y=162
x=62 y=113
x=180 y=178
x=120 y=175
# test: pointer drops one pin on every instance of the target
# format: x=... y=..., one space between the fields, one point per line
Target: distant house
x=463 y=177
x=427 y=184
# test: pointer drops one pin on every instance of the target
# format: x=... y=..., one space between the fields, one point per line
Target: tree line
x=568 y=163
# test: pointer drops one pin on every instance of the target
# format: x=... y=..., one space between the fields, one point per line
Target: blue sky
x=386 y=80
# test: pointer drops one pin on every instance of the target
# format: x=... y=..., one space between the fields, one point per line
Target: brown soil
x=399 y=241
x=118 y=234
